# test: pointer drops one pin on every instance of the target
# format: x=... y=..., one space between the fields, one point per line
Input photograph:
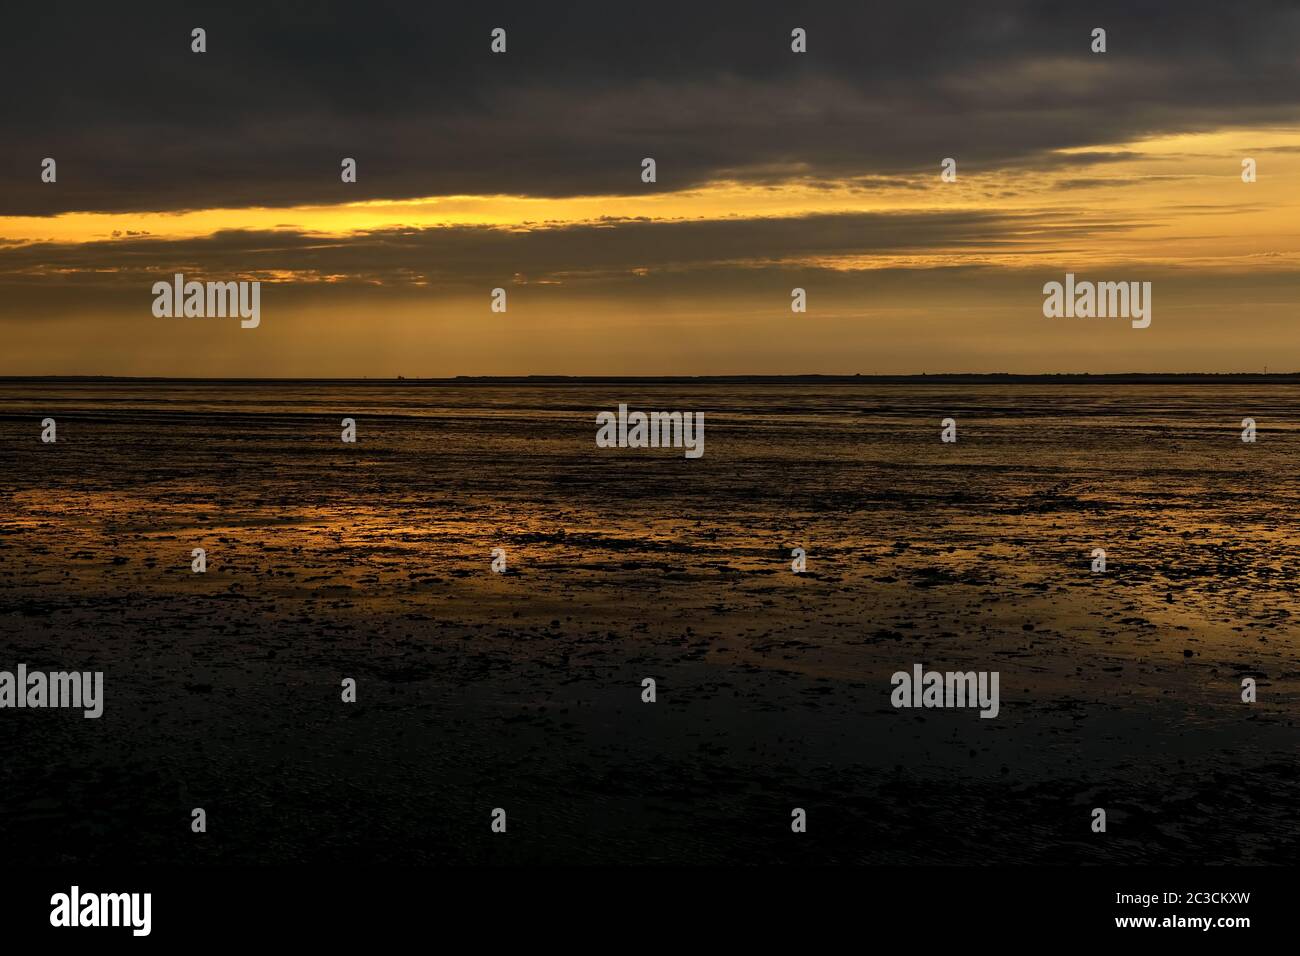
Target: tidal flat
x=523 y=690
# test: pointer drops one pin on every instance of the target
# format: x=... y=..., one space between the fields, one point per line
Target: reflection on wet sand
x=522 y=690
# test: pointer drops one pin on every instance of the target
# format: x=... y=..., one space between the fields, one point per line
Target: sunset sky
x=775 y=170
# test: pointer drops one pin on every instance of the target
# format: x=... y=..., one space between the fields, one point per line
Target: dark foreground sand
x=522 y=691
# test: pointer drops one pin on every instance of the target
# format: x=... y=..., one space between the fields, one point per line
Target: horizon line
x=808 y=377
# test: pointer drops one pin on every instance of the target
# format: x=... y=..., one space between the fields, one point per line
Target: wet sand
x=523 y=691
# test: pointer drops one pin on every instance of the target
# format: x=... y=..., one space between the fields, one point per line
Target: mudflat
x=478 y=690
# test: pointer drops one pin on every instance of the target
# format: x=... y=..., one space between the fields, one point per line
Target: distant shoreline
x=944 y=378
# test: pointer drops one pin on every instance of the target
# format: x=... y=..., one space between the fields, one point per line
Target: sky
x=775 y=170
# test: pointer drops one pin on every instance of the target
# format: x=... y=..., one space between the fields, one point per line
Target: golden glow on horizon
x=1178 y=198
x=1122 y=211
x=1164 y=202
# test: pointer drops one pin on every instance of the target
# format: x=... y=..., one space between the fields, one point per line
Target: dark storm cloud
x=137 y=121
x=473 y=256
